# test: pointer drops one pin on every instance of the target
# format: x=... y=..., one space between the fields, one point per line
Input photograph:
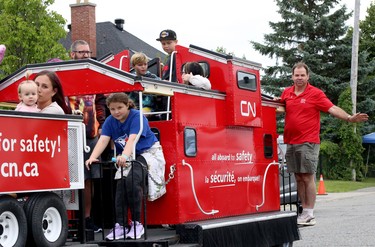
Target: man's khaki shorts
x=302 y=158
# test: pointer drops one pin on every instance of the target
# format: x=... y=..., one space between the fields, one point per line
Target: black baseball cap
x=167 y=35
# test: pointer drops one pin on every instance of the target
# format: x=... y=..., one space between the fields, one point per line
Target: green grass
x=345 y=186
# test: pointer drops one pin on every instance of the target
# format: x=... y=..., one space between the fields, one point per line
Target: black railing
x=110 y=167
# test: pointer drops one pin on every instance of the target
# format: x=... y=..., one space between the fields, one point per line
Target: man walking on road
x=303 y=104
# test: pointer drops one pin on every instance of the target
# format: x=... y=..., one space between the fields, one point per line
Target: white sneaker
x=136 y=230
x=306 y=220
x=116 y=233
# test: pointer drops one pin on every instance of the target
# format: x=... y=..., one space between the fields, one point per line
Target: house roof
x=111 y=39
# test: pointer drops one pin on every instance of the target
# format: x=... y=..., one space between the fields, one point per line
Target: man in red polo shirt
x=303 y=104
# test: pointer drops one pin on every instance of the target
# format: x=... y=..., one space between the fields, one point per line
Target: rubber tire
x=48 y=220
x=12 y=215
x=28 y=207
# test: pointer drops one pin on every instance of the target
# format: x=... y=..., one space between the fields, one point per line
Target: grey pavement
x=343 y=219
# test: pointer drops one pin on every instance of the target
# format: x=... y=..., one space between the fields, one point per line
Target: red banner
x=33 y=154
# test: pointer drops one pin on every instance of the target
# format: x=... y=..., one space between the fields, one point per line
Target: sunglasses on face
x=83 y=52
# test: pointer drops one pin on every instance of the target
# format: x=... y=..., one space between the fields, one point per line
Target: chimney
x=120 y=24
x=83 y=24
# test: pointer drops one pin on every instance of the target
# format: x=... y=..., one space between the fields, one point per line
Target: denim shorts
x=302 y=158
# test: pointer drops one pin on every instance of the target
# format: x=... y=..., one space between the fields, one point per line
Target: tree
x=348 y=163
x=367 y=27
x=221 y=49
x=30 y=32
x=314 y=32
x=224 y=50
x=311 y=32
x=366 y=44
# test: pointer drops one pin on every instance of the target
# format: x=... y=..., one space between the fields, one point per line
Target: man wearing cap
x=168 y=40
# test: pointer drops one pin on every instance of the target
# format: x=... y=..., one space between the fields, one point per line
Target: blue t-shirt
x=120 y=132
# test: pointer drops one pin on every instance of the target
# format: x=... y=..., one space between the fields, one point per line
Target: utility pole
x=354 y=69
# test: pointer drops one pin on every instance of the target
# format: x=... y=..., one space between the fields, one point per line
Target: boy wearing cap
x=168 y=40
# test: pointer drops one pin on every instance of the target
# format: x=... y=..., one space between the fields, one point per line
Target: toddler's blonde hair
x=27 y=76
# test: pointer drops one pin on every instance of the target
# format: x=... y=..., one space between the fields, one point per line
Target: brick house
x=104 y=37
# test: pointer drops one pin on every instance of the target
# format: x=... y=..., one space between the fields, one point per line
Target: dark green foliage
x=315 y=32
x=367 y=27
x=350 y=141
x=366 y=87
x=329 y=161
x=343 y=153
x=312 y=33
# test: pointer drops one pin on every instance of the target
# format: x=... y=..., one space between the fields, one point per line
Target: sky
x=203 y=23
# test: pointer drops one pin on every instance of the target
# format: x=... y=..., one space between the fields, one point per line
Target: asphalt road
x=342 y=219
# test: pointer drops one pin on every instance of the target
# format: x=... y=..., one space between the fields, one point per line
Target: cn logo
x=247 y=108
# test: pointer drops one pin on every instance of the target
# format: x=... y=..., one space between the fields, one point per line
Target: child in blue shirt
x=122 y=127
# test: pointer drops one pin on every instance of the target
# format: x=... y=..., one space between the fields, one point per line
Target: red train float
x=220 y=147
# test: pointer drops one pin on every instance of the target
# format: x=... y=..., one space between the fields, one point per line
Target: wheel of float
x=13 y=224
x=49 y=221
x=29 y=204
x=28 y=207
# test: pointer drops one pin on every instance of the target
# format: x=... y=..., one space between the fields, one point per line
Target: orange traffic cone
x=321 y=189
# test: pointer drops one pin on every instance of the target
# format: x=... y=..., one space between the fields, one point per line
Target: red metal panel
x=87 y=81
x=228 y=171
x=218 y=70
x=230 y=181
x=247 y=110
x=121 y=61
x=165 y=210
x=77 y=82
x=33 y=154
x=193 y=110
x=245 y=104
